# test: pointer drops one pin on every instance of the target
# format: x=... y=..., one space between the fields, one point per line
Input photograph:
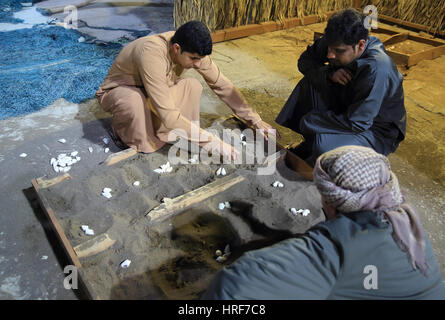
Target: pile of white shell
x=87 y=230
x=220 y=257
x=64 y=162
x=303 y=212
x=106 y=192
x=224 y=205
x=221 y=172
x=278 y=184
x=165 y=168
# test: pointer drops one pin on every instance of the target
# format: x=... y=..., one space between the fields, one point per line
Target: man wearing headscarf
x=372 y=245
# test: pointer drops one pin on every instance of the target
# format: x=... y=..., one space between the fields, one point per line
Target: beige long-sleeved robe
x=148 y=96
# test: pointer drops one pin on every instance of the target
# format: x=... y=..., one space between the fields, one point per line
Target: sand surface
x=176 y=259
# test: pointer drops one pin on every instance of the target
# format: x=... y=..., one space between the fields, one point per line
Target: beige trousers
x=135 y=120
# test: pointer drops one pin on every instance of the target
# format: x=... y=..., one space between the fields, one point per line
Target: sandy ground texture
x=176 y=259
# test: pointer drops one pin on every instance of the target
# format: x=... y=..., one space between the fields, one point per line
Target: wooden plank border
x=263 y=27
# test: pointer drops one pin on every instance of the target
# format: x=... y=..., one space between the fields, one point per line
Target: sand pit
x=176 y=259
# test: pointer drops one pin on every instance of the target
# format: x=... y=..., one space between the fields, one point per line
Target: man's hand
x=224 y=149
x=341 y=76
x=267 y=129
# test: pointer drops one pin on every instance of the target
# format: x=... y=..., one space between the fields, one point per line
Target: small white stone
x=275 y=184
x=56 y=168
x=78 y=158
x=299 y=211
x=53 y=161
x=136 y=183
x=105 y=140
x=81 y=39
x=192 y=160
x=66 y=169
x=23 y=155
x=107 y=195
x=221 y=259
x=221 y=206
x=61 y=156
x=62 y=140
x=227 y=204
x=125 y=264
x=90 y=149
x=107 y=150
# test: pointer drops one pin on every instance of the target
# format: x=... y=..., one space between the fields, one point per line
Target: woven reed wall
x=221 y=14
x=430 y=13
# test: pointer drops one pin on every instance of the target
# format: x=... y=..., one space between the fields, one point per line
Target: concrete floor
x=31 y=261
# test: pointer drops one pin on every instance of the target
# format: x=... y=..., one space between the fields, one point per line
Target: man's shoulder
x=375 y=55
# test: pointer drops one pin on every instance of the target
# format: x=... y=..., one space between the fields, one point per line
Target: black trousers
x=305 y=98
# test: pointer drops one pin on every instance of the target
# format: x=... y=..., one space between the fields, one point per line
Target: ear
x=361 y=44
x=176 y=48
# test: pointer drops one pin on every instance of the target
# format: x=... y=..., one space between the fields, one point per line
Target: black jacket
x=372 y=100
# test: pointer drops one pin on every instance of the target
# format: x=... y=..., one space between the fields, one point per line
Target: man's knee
x=193 y=85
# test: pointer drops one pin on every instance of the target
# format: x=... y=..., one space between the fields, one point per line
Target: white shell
x=62 y=140
x=81 y=39
x=136 y=183
x=66 y=169
x=56 y=168
x=107 y=150
x=53 y=161
x=280 y=185
x=221 y=259
x=107 y=190
x=105 y=140
x=306 y=212
x=23 y=155
x=275 y=184
x=192 y=160
x=299 y=211
x=242 y=136
x=223 y=172
x=90 y=149
x=221 y=206
x=126 y=263
x=169 y=169
x=158 y=170
x=89 y=232
x=293 y=210
x=107 y=195
x=61 y=156
x=74 y=153
x=243 y=143
x=218 y=172
x=227 y=204
x=78 y=158
x=85 y=227
x=218 y=253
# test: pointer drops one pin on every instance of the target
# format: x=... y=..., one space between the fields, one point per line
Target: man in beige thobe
x=149 y=98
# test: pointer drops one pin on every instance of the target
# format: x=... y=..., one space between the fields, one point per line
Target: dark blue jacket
x=372 y=100
x=351 y=257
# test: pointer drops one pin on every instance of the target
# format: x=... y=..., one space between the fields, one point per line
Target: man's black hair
x=194 y=37
x=347 y=26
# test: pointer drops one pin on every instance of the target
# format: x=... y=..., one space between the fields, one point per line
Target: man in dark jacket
x=372 y=245
x=351 y=93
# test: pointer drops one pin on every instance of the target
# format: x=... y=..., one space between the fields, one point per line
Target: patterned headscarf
x=354 y=178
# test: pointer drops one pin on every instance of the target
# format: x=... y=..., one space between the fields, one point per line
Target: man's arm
x=369 y=89
x=306 y=267
x=226 y=91
x=312 y=64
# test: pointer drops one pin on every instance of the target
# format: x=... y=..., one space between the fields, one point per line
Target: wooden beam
x=179 y=204
x=429 y=54
x=119 y=156
x=57 y=228
x=94 y=246
x=409 y=24
x=44 y=183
